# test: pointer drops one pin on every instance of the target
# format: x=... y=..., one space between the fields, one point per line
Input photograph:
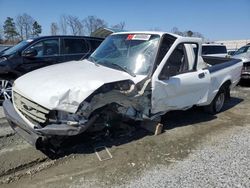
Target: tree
x=188 y=33
x=197 y=34
x=75 y=25
x=63 y=24
x=175 y=30
x=36 y=29
x=20 y=26
x=93 y=23
x=54 y=29
x=10 y=29
x=1 y=33
x=119 y=26
x=25 y=25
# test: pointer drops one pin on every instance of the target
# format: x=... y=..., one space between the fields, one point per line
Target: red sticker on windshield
x=138 y=37
x=130 y=37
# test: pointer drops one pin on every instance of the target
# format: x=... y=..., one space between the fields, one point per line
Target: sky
x=215 y=19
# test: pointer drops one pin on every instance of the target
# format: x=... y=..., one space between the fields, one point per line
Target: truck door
x=178 y=85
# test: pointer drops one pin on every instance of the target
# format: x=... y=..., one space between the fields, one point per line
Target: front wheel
x=217 y=104
x=5 y=89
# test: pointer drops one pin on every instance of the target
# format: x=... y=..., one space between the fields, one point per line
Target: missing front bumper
x=32 y=135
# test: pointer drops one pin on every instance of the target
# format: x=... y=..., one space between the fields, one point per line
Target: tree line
x=187 y=33
x=25 y=26
x=74 y=25
x=20 y=28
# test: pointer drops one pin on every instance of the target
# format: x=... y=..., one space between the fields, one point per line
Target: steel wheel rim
x=5 y=89
x=219 y=102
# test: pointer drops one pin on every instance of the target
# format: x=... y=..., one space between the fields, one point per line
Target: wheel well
x=226 y=85
x=9 y=76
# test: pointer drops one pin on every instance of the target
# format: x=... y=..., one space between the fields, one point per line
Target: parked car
x=216 y=50
x=231 y=52
x=35 y=53
x=4 y=47
x=131 y=75
x=244 y=54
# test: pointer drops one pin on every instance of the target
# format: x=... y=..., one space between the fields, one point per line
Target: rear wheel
x=5 y=89
x=217 y=104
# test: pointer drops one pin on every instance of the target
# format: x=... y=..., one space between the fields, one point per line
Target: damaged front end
x=121 y=100
x=114 y=83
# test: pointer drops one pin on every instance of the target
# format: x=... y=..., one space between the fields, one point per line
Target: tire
x=5 y=89
x=218 y=102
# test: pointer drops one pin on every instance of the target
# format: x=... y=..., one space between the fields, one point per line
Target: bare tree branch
x=120 y=25
x=54 y=29
x=75 y=25
x=93 y=23
x=24 y=24
x=188 y=33
x=63 y=24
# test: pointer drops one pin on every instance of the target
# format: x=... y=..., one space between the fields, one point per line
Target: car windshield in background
x=242 y=50
x=4 y=48
x=132 y=53
x=15 y=48
x=213 y=50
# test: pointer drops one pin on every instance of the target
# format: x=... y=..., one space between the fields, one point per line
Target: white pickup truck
x=132 y=75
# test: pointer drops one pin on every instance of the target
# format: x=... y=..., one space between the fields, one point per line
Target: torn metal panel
x=132 y=102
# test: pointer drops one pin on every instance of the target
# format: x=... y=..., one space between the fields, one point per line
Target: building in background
x=233 y=44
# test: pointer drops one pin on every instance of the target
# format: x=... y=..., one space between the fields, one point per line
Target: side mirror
x=30 y=53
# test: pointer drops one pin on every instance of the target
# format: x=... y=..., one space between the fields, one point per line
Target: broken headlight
x=66 y=117
x=123 y=85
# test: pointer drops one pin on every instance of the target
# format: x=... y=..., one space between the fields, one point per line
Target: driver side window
x=178 y=62
x=46 y=48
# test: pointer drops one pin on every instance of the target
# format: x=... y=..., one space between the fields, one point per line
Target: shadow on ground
x=244 y=83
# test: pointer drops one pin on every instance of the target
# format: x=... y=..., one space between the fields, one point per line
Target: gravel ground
x=1 y=113
x=223 y=163
x=196 y=150
x=5 y=129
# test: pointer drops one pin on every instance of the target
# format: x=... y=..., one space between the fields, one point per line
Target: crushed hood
x=65 y=86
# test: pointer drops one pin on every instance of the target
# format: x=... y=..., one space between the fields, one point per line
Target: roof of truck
x=212 y=44
x=147 y=32
x=195 y=39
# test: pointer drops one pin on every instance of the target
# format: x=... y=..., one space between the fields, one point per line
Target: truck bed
x=218 y=63
x=211 y=60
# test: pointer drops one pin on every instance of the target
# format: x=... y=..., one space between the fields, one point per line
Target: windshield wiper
x=124 y=69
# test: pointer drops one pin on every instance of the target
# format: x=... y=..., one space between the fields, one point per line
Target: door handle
x=201 y=75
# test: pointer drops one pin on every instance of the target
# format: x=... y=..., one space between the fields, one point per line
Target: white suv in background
x=244 y=54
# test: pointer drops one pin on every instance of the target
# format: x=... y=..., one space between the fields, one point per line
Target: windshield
x=132 y=53
x=242 y=50
x=16 y=47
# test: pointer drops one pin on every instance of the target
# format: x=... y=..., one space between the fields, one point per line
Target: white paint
x=180 y=92
x=187 y=89
x=65 y=86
